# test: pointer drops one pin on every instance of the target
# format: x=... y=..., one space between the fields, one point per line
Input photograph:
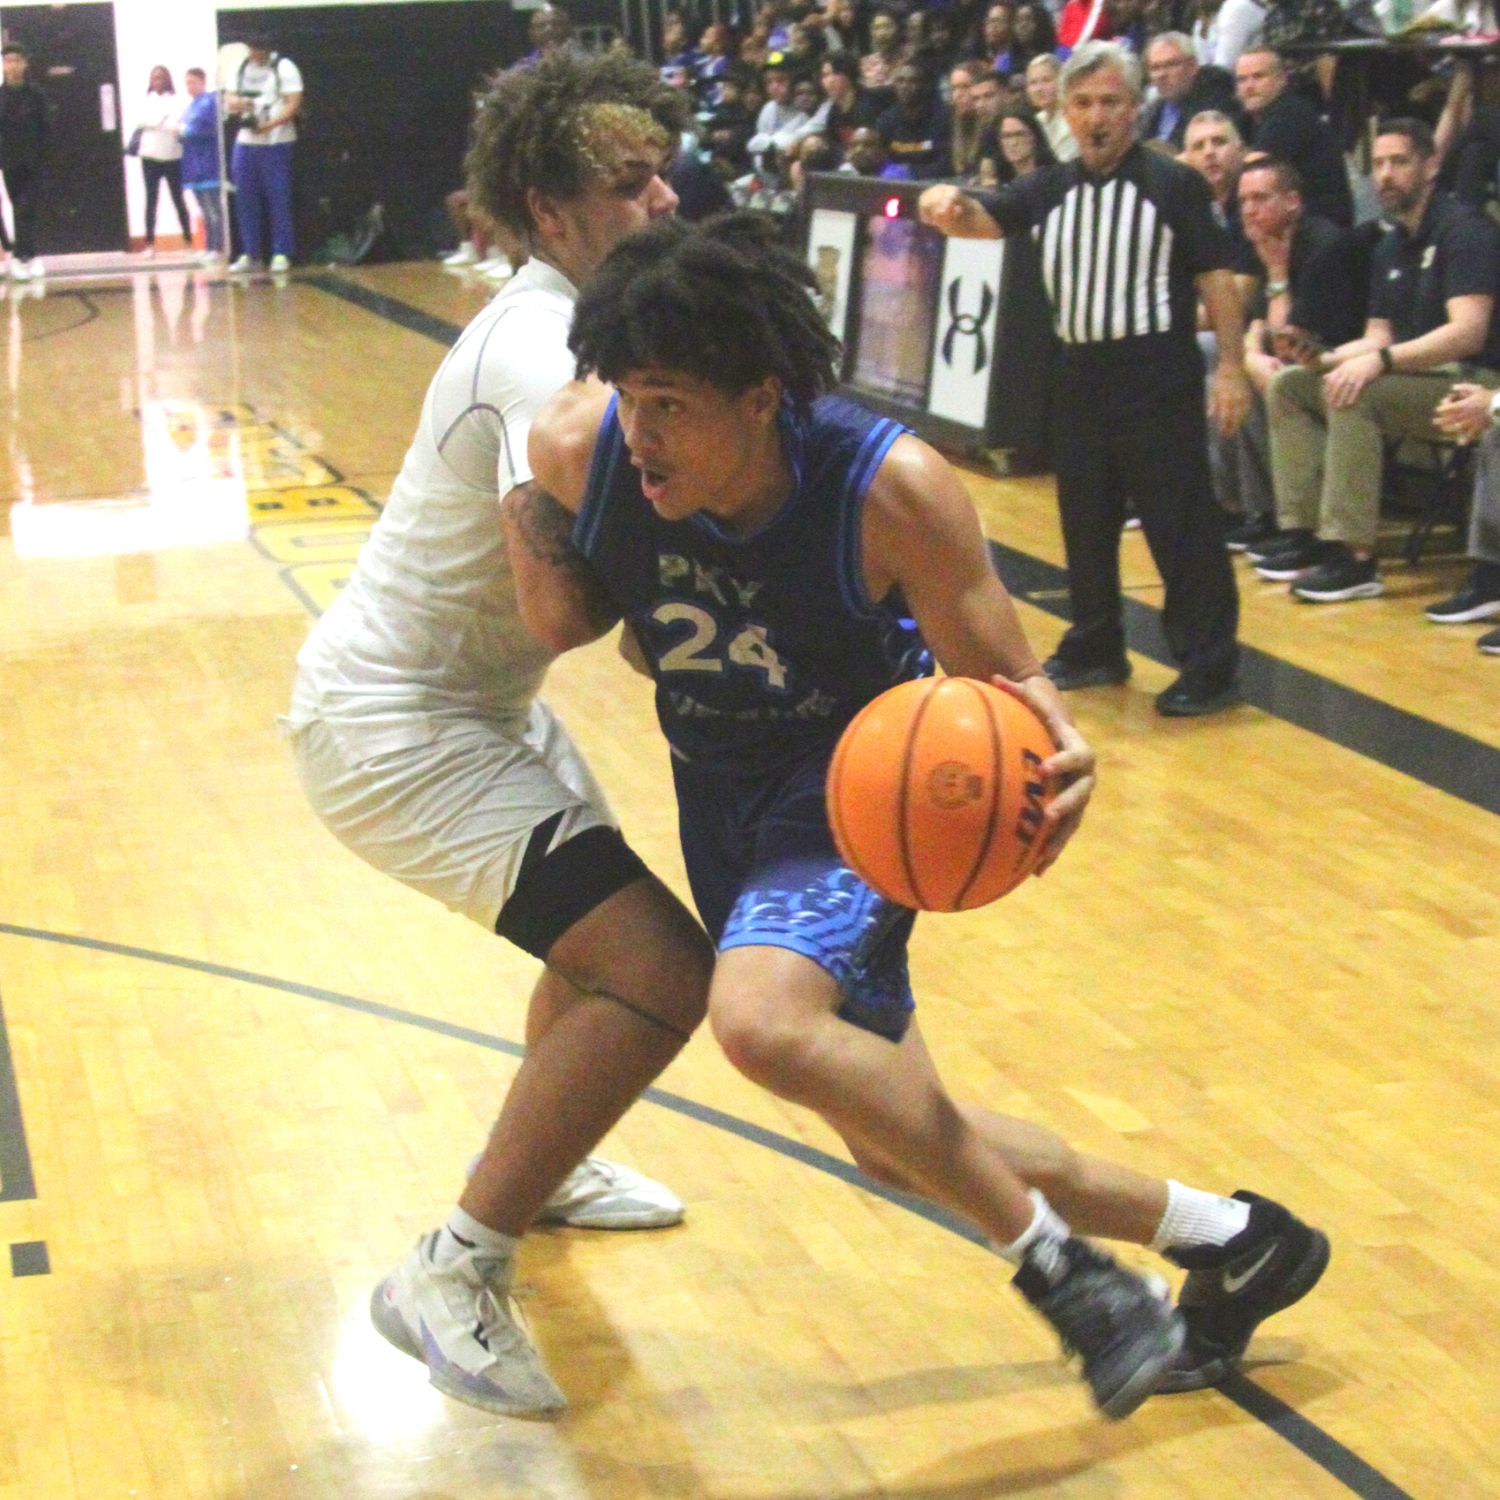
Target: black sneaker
x=1274 y=1261
x=1067 y=675
x=1126 y=1335
x=1255 y=532
x=1490 y=643
x=1283 y=541
x=1193 y=695
x=1342 y=576
x=1280 y=566
x=1474 y=601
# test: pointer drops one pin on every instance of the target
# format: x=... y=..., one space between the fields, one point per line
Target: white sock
x=1194 y=1217
x=1045 y=1225
x=463 y=1233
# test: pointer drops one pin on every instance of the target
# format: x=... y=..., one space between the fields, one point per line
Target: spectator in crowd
x=917 y=126
x=931 y=39
x=1287 y=126
x=1129 y=400
x=267 y=97
x=549 y=30
x=877 y=68
x=846 y=105
x=1034 y=35
x=676 y=51
x=727 y=131
x=1224 y=31
x=805 y=46
x=1019 y=146
x=1127 y=19
x=1470 y=413
x=998 y=35
x=867 y=156
x=779 y=120
x=200 y=161
x=1432 y=293
x=1212 y=147
x=23 y=144
x=714 y=47
x=970 y=128
x=841 y=27
x=1042 y=96
x=1296 y=271
x=1082 y=21
x=1184 y=88
x=160 y=153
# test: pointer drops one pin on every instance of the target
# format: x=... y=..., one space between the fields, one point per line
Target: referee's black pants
x=1131 y=429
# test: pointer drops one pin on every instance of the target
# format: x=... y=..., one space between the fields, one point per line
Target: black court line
x=1439 y=757
x=16 y=1180
x=1333 y=1457
x=30 y=1258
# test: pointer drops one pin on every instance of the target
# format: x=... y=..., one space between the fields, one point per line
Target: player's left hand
x=1071 y=770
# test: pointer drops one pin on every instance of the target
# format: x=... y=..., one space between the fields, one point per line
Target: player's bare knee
x=765 y=1051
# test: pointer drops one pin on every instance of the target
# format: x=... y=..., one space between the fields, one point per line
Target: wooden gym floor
x=241 y=1072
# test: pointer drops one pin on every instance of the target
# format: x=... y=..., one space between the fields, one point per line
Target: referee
x=1128 y=244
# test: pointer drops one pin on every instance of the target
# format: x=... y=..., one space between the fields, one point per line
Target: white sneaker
x=465 y=255
x=598 y=1194
x=244 y=266
x=19 y=269
x=463 y=1324
x=501 y=272
x=280 y=263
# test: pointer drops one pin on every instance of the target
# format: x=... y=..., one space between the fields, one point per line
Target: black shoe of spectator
x=1282 y=541
x=1067 y=675
x=1474 y=601
x=1490 y=643
x=1290 y=561
x=1254 y=532
x=1194 y=695
x=1343 y=576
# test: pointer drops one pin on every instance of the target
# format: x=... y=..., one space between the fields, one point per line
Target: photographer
x=267 y=97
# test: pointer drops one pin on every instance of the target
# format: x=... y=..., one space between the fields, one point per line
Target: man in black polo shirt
x=1287 y=126
x=1432 y=291
x=1128 y=245
x=1295 y=271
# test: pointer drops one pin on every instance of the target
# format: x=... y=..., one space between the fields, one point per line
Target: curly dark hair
x=534 y=128
x=724 y=300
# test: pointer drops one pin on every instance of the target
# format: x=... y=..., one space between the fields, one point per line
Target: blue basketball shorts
x=765 y=873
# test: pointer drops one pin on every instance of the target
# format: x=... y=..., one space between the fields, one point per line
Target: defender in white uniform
x=423 y=747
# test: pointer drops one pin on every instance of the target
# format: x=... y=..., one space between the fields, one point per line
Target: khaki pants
x=1327 y=465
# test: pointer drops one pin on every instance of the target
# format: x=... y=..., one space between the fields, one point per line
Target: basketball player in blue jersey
x=770 y=546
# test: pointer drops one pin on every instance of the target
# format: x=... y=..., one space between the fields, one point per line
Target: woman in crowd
x=160 y=152
x=1033 y=35
x=878 y=67
x=1042 y=93
x=1022 y=148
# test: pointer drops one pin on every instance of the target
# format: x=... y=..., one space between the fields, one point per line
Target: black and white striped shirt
x=1120 y=254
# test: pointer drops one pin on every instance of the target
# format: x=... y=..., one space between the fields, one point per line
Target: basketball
x=935 y=795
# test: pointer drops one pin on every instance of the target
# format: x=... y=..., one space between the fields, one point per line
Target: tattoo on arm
x=546 y=529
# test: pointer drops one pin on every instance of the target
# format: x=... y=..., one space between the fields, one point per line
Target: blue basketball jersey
x=763 y=646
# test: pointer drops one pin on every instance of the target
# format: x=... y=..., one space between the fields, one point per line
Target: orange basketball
x=935 y=796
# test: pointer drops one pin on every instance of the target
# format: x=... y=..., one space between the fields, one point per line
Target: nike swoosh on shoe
x=1241 y=1279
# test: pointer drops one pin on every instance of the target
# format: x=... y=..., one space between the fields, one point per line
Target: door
x=72 y=56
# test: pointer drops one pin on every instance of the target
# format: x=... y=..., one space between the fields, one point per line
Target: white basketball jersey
x=428 y=624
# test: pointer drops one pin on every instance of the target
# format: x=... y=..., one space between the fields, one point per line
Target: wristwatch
x=1276 y=288
x=1387 y=359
